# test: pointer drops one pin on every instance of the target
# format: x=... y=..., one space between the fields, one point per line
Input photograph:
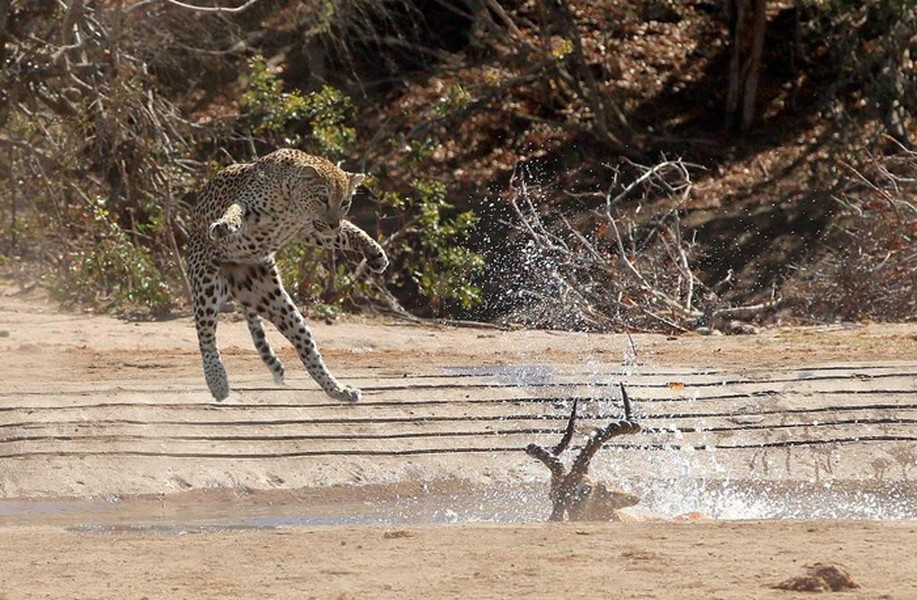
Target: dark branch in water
x=628 y=412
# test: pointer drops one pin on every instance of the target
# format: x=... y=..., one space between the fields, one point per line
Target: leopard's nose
x=332 y=218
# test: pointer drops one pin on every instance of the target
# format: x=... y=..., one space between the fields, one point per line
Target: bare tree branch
x=205 y=9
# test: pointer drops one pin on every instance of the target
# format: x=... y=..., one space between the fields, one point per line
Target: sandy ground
x=121 y=478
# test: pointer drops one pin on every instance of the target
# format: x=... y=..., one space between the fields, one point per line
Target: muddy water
x=453 y=502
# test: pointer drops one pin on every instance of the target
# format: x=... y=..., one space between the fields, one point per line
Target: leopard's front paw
x=221 y=229
x=376 y=259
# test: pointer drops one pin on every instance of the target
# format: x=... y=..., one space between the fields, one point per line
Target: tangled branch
x=866 y=263
x=615 y=272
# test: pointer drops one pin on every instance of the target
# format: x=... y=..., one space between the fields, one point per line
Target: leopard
x=242 y=218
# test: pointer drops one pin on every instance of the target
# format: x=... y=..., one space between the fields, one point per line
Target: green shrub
x=318 y=279
x=429 y=247
x=270 y=110
x=109 y=270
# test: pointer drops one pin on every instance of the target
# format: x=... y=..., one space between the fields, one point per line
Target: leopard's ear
x=355 y=180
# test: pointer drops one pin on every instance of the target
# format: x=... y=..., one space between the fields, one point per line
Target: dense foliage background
x=622 y=164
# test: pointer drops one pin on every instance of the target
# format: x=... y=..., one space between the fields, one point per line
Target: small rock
x=836 y=576
x=803 y=583
x=820 y=577
x=396 y=534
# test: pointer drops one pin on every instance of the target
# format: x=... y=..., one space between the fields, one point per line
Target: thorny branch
x=78 y=106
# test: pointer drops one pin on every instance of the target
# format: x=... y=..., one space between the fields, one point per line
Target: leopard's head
x=339 y=200
x=325 y=196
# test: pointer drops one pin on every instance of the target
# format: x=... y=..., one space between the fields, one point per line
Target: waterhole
x=459 y=502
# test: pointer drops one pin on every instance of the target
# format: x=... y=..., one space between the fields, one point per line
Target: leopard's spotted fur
x=245 y=214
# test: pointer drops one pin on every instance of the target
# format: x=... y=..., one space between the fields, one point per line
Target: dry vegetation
x=678 y=165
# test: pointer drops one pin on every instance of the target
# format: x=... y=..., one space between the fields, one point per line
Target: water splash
x=684 y=475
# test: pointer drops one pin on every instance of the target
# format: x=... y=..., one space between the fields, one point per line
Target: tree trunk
x=747 y=23
x=894 y=75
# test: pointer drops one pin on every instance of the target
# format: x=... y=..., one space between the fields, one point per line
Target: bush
x=269 y=111
x=431 y=249
x=865 y=266
x=109 y=270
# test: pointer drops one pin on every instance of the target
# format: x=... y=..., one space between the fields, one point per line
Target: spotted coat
x=244 y=216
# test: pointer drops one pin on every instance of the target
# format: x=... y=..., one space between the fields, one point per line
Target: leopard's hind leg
x=261 y=344
x=258 y=289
